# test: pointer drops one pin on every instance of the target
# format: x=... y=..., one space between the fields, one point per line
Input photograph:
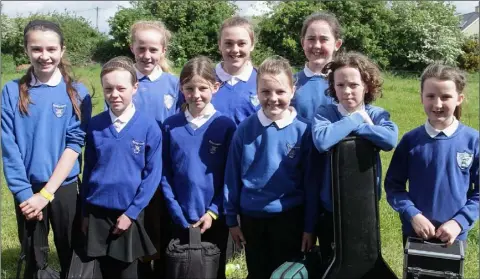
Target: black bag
x=426 y=259
x=38 y=269
x=83 y=267
x=196 y=259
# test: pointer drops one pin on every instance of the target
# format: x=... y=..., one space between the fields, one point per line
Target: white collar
x=54 y=80
x=309 y=73
x=281 y=123
x=153 y=76
x=207 y=112
x=344 y=112
x=432 y=132
x=126 y=115
x=243 y=76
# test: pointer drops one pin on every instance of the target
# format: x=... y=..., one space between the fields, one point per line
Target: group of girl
x=229 y=148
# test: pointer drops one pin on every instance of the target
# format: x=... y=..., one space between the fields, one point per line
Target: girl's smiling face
x=235 y=46
x=319 y=44
x=439 y=99
x=198 y=93
x=275 y=94
x=44 y=51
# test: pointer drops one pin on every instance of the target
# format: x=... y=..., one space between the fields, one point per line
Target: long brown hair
x=445 y=72
x=63 y=66
x=201 y=66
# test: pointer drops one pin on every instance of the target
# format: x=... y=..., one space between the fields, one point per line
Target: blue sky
x=107 y=9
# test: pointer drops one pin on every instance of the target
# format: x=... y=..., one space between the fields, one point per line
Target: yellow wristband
x=47 y=195
x=211 y=213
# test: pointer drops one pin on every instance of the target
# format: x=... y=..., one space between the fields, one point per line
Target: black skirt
x=127 y=247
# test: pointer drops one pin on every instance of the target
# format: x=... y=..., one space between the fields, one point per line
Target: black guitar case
x=357 y=252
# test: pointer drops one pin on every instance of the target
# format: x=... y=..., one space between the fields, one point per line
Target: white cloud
x=86 y=9
x=252 y=8
x=465 y=7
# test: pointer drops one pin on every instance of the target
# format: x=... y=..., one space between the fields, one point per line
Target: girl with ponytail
x=44 y=116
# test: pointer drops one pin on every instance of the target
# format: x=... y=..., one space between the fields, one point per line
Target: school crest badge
x=168 y=100
x=58 y=110
x=292 y=150
x=137 y=146
x=254 y=100
x=464 y=159
x=214 y=146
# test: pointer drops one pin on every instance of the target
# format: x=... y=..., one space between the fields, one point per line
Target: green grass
x=401 y=98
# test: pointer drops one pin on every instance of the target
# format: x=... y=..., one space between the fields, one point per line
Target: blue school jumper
x=265 y=169
x=442 y=175
x=160 y=98
x=33 y=144
x=329 y=127
x=122 y=169
x=309 y=94
x=237 y=101
x=194 y=166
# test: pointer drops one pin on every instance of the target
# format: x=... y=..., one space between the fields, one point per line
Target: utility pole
x=97 y=17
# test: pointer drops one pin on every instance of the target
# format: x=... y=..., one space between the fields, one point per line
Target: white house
x=469 y=23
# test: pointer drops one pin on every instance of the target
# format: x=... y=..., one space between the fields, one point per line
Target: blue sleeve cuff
x=309 y=227
x=356 y=118
x=180 y=220
x=214 y=209
x=132 y=212
x=24 y=195
x=410 y=212
x=462 y=221
x=231 y=221
x=75 y=147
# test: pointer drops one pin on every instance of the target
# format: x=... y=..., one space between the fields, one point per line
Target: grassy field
x=401 y=98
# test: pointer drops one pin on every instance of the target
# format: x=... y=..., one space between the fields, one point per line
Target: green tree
x=423 y=32
x=364 y=25
x=194 y=25
x=279 y=30
x=81 y=39
x=469 y=60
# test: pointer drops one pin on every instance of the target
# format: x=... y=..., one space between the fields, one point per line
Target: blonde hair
x=122 y=63
x=160 y=27
x=276 y=65
x=238 y=21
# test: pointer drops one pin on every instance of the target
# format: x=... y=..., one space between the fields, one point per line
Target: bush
x=8 y=63
x=470 y=59
x=107 y=50
x=81 y=39
x=194 y=25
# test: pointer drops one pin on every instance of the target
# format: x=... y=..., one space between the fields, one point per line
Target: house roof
x=468 y=19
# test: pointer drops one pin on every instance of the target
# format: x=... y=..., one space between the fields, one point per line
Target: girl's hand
x=307 y=242
x=237 y=236
x=85 y=225
x=423 y=227
x=33 y=206
x=366 y=117
x=123 y=223
x=205 y=221
x=448 y=232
